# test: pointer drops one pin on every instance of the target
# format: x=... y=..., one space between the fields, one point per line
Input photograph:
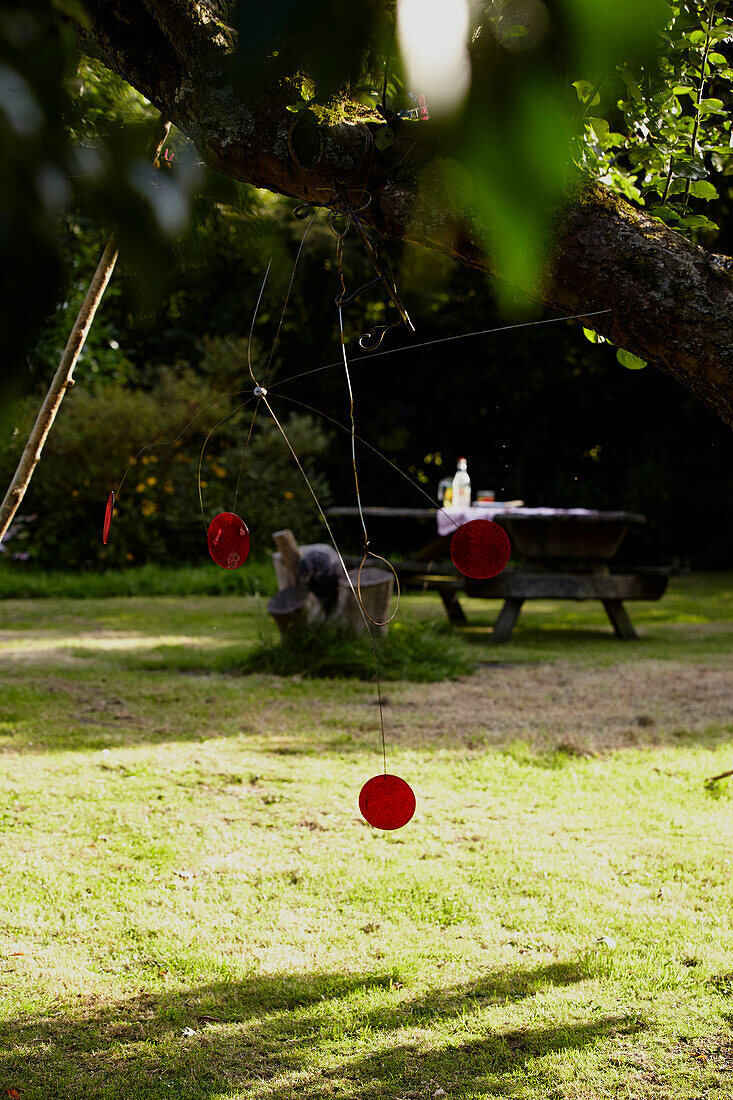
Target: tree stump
x=290 y=608
x=313 y=588
x=376 y=587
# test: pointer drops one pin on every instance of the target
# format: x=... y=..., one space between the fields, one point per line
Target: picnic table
x=564 y=554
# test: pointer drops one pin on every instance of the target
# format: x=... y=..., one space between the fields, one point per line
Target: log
x=376 y=588
x=290 y=608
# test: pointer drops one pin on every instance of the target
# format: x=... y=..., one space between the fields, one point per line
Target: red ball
x=228 y=540
x=108 y=517
x=480 y=549
x=387 y=802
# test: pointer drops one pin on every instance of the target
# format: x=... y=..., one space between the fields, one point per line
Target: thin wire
x=442 y=340
x=249 y=364
x=254 y=318
x=170 y=442
x=272 y=351
x=367 y=552
x=322 y=514
x=353 y=428
x=375 y=450
x=287 y=296
x=203 y=449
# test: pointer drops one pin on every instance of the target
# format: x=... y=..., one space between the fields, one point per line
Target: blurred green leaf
x=631 y=362
x=702 y=189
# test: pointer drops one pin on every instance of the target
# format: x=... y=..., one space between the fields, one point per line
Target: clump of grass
x=409 y=651
x=256 y=578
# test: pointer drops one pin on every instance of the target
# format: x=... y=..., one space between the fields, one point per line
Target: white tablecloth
x=450 y=518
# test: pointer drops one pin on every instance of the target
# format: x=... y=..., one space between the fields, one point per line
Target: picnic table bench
x=564 y=554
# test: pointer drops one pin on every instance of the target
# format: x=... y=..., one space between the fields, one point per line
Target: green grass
x=21 y=583
x=191 y=905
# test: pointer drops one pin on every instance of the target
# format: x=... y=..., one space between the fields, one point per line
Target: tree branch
x=671 y=301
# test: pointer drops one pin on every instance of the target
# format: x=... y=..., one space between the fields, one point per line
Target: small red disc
x=480 y=549
x=108 y=517
x=228 y=540
x=387 y=802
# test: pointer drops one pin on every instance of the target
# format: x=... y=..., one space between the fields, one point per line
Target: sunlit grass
x=192 y=906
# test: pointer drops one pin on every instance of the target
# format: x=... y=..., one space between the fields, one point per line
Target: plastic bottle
x=461 y=486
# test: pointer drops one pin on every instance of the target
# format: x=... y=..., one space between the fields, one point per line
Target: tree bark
x=670 y=301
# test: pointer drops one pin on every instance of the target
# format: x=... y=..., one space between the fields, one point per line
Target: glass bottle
x=461 y=486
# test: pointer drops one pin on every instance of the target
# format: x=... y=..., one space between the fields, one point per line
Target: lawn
x=191 y=905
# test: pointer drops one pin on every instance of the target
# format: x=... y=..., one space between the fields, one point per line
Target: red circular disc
x=387 y=802
x=108 y=517
x=228 y=540
x=480 y=549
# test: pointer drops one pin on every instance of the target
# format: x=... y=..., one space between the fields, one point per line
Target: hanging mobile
x=108 y=512
x=480 y=549
x=387 y=802
x=228 y=540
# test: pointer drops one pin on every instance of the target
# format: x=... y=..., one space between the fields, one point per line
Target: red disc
x=228 y=540
x=108 y=517
x=480 y=549
x=387 y=802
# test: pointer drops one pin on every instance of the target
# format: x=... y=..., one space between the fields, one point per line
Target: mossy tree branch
x=670 y=301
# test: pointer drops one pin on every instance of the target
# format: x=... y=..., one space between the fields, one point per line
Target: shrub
x=157 y=516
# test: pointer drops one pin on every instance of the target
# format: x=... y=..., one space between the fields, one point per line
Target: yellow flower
x=288 y=495
x=151 y=481
x=129 y=556
x=148 y=507
x=140 y=487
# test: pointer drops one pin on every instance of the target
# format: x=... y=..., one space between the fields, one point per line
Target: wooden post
x=62 y=381
x=63 y=378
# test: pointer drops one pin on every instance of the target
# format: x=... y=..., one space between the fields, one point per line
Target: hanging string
x=327 y=525
x=371 y=447
x=254 y=318
x=218 y=424
x=170 y=442
x=287 y=298
x=367 y=552
x=272 y=349
x=441 y=340
x=353 y=428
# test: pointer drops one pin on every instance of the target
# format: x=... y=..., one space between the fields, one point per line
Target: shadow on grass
x=285 y=1035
